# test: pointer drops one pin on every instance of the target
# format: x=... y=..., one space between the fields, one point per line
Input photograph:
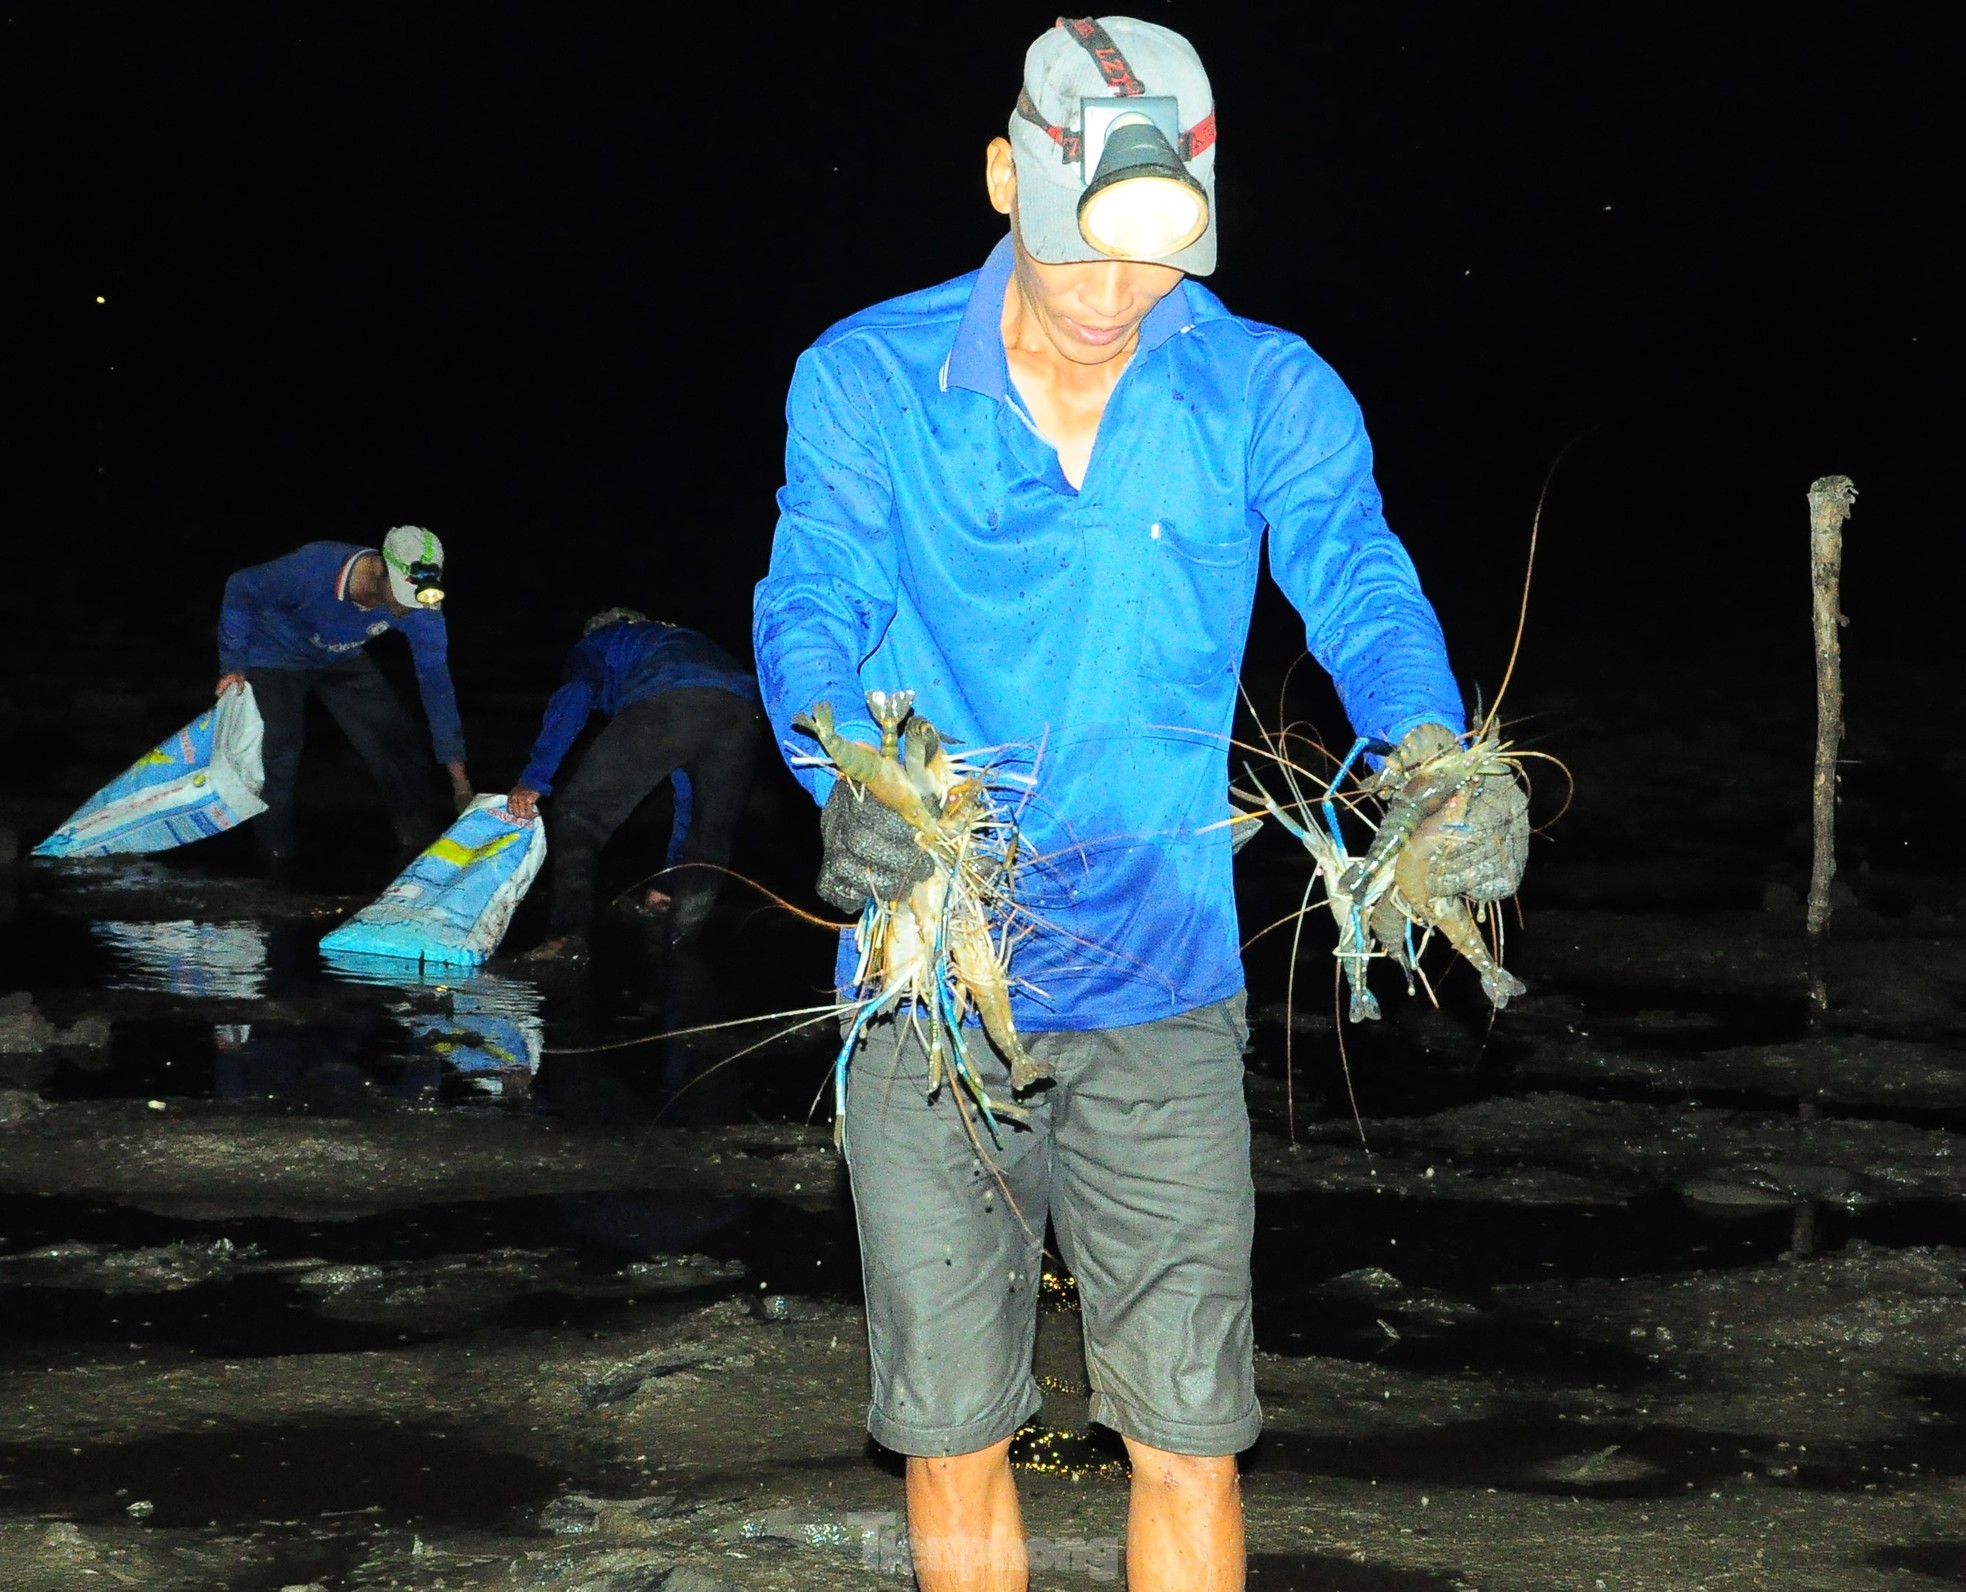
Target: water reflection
x=324 y=1066
x=220 y=961
x=484 y=1027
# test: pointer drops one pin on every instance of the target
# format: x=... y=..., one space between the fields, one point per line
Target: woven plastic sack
x=203 y=781
x=453 y=904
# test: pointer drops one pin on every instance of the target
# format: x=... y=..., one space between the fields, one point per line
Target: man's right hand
x=1420 y=746
x=230 y=682
x=523 y=803
x=871 y=851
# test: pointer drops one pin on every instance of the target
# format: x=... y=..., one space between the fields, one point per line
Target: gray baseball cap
x=410 y=547
x=1078 y=59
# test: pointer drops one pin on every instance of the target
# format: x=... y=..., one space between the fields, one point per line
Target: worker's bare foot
x=561 y=948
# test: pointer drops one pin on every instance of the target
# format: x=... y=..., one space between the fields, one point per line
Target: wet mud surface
x=332 y=1278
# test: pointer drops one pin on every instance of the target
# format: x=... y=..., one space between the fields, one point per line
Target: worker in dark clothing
x=298 y=625
x=682 y=708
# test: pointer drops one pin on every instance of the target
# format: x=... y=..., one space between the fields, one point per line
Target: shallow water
x=248 y=1010
x=214 y=993
x=346 y=1037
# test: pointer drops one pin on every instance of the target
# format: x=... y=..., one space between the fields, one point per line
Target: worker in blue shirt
x=298 y=626
x=681 y=708
x=1037 y=496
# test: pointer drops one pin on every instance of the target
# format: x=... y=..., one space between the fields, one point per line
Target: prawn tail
x=1026 y=1071
x=1501 y=986
x=1354 y=952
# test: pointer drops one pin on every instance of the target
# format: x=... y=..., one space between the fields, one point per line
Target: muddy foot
x=563 y=948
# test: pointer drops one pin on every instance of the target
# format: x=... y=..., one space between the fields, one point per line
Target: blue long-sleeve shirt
x=928 y=540
x=294 y=613
x=617 y=665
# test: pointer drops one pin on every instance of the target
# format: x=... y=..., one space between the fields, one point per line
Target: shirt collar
x=347 y=569
x=976 y=359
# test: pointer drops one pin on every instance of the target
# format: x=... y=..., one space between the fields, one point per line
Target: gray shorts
x=1139 y=1155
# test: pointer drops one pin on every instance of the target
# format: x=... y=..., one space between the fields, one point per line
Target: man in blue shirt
x=298 y=625
x=681 y=707
x=1037 y=496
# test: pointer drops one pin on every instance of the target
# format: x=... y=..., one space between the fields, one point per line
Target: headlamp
x=1140 y=201
x=428 y=579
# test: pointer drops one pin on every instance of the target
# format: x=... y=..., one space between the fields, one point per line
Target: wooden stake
x=1830 y=500
x=1829 y=506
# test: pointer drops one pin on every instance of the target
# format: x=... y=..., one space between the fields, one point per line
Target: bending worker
x=1037 y=496
x=681 y=706
x=298 y=625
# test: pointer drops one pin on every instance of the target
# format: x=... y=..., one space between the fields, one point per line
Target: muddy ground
x=308 y=1280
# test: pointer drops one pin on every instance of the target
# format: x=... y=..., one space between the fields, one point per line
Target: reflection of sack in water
x=481 y=1040
x=225 y=961
x=453 y=904
x=479 y=1024
x=202 y=781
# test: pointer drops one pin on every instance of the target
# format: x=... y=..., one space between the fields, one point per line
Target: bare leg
x=964 y=1526
x=1184 y=1523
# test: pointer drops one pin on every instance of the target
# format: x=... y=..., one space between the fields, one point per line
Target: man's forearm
x=805 y=656
x=440 y=708
x=566 y=714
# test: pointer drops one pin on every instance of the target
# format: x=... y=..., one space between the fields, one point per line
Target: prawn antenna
x=1529 y=567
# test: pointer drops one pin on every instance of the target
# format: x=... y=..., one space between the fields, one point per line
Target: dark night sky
x=536 y=276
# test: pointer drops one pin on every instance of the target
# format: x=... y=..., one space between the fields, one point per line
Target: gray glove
x=870 y=851
x=1483 y=854
x=1483 y=860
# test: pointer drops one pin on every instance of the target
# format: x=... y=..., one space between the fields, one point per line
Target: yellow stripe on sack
x=156 y=757
x=448 y=850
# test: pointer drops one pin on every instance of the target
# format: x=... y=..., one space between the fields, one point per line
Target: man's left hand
x=1482 y=855
x=522 y=802
x=461 y=792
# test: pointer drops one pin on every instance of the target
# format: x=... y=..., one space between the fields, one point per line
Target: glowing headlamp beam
x=1142 y=203
x=428 y=579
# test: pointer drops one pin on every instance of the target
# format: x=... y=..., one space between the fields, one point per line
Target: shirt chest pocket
x=1195 y=597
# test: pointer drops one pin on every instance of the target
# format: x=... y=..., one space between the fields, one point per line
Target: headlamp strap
x=1120 y=79
x=1105 y=54
x=428 y=557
